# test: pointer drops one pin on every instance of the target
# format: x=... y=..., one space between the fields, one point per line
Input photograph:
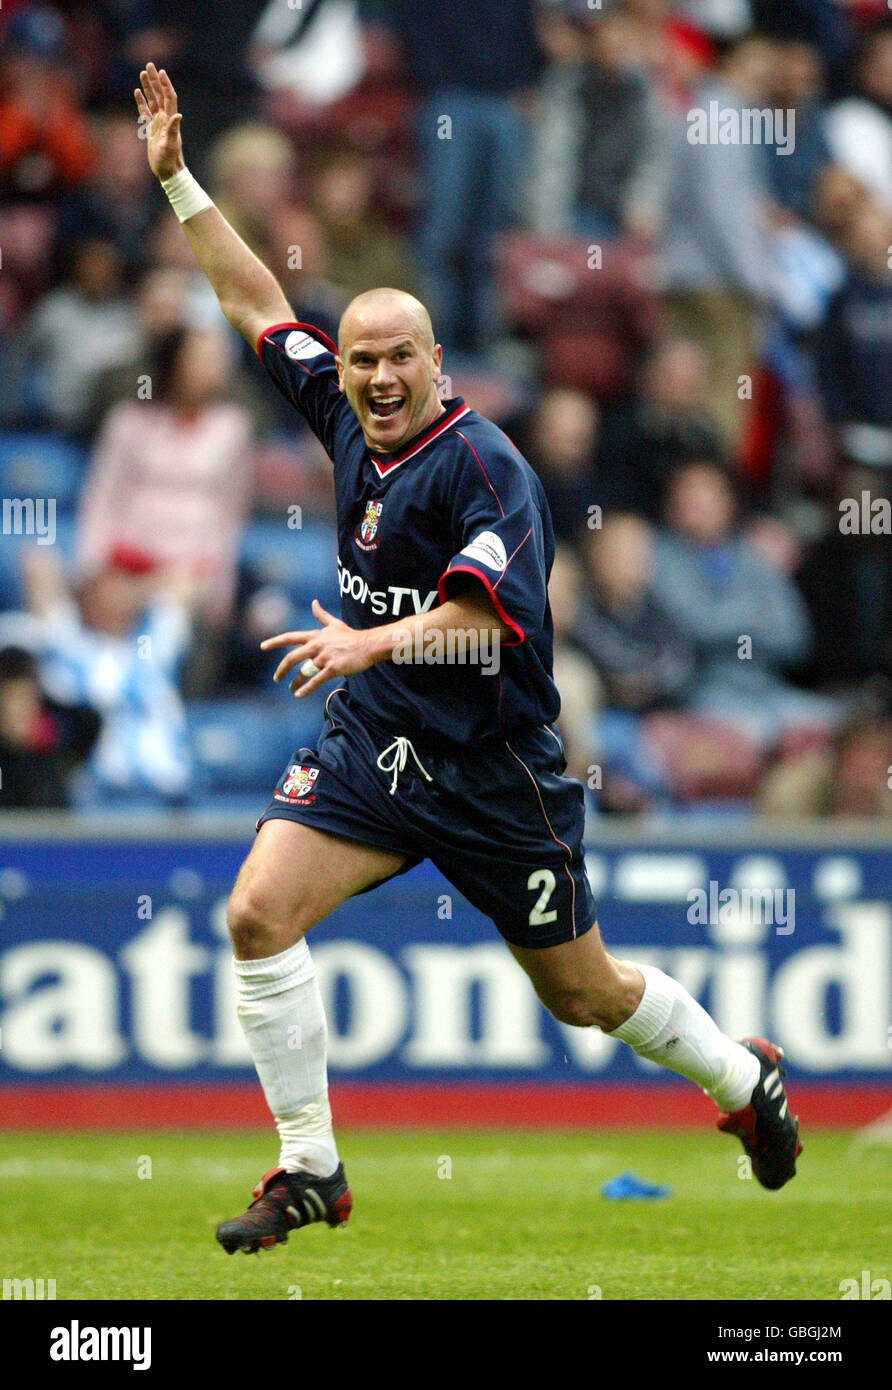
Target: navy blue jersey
x=458 y=501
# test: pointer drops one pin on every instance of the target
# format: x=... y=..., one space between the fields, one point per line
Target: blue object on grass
x=628 y=1184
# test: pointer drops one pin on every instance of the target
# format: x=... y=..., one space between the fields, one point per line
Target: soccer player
x=444 y=536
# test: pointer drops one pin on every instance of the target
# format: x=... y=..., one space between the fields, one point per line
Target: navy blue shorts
x=499 y=820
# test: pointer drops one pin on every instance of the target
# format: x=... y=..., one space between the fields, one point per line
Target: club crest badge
x=368 y=527
x=300 y=781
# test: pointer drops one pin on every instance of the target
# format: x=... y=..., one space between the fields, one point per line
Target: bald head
x=389 y=367
x=385 y=313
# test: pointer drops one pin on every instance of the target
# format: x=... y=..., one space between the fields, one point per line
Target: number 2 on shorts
x=544 y=879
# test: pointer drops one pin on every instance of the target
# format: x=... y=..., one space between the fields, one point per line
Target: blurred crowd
x=655 y=237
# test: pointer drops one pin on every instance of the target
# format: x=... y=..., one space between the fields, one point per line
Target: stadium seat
x=796 y=742
x=704 y=759
x=241 y=745
x=376 y=117
x=35 y=464
x=303 y=562
x=590 y=324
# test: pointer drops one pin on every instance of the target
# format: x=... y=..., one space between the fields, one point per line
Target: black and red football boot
x=769 y=1133
x=284 y=1202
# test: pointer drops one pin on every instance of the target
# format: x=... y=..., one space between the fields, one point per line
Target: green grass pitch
x=446 y=1214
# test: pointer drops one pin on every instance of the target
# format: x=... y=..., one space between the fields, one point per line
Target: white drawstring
x=401 y=748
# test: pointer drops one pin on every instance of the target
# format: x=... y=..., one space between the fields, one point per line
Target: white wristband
x=187 y=197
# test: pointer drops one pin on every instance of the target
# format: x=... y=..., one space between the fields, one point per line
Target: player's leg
x=293 y=877
x=581 y=984
x=543 y=906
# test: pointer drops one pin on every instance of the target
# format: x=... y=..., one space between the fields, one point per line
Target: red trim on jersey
x=469 y=569
x=444 y=424
x=338 y=690
x=482 y=470
x=512 y=555
x=307 y=328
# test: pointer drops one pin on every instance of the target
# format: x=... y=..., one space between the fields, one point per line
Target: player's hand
x=334 y=649
x=160 y=120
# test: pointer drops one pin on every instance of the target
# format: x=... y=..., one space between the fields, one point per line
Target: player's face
x=391 y=383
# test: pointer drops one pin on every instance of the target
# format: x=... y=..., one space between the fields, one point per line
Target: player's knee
x=605 y=1004
x=246 y=923
x=256 y=928
x=574 y=1007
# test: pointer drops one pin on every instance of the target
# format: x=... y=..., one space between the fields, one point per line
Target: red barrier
x=233 y=1106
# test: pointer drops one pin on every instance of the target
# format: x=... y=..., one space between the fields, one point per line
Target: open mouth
x=385 y=407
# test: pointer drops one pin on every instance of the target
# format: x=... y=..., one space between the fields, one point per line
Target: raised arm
x=249 y=294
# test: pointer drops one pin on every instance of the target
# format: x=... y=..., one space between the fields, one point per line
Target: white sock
x=669 y=1027
x=281 y=1013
